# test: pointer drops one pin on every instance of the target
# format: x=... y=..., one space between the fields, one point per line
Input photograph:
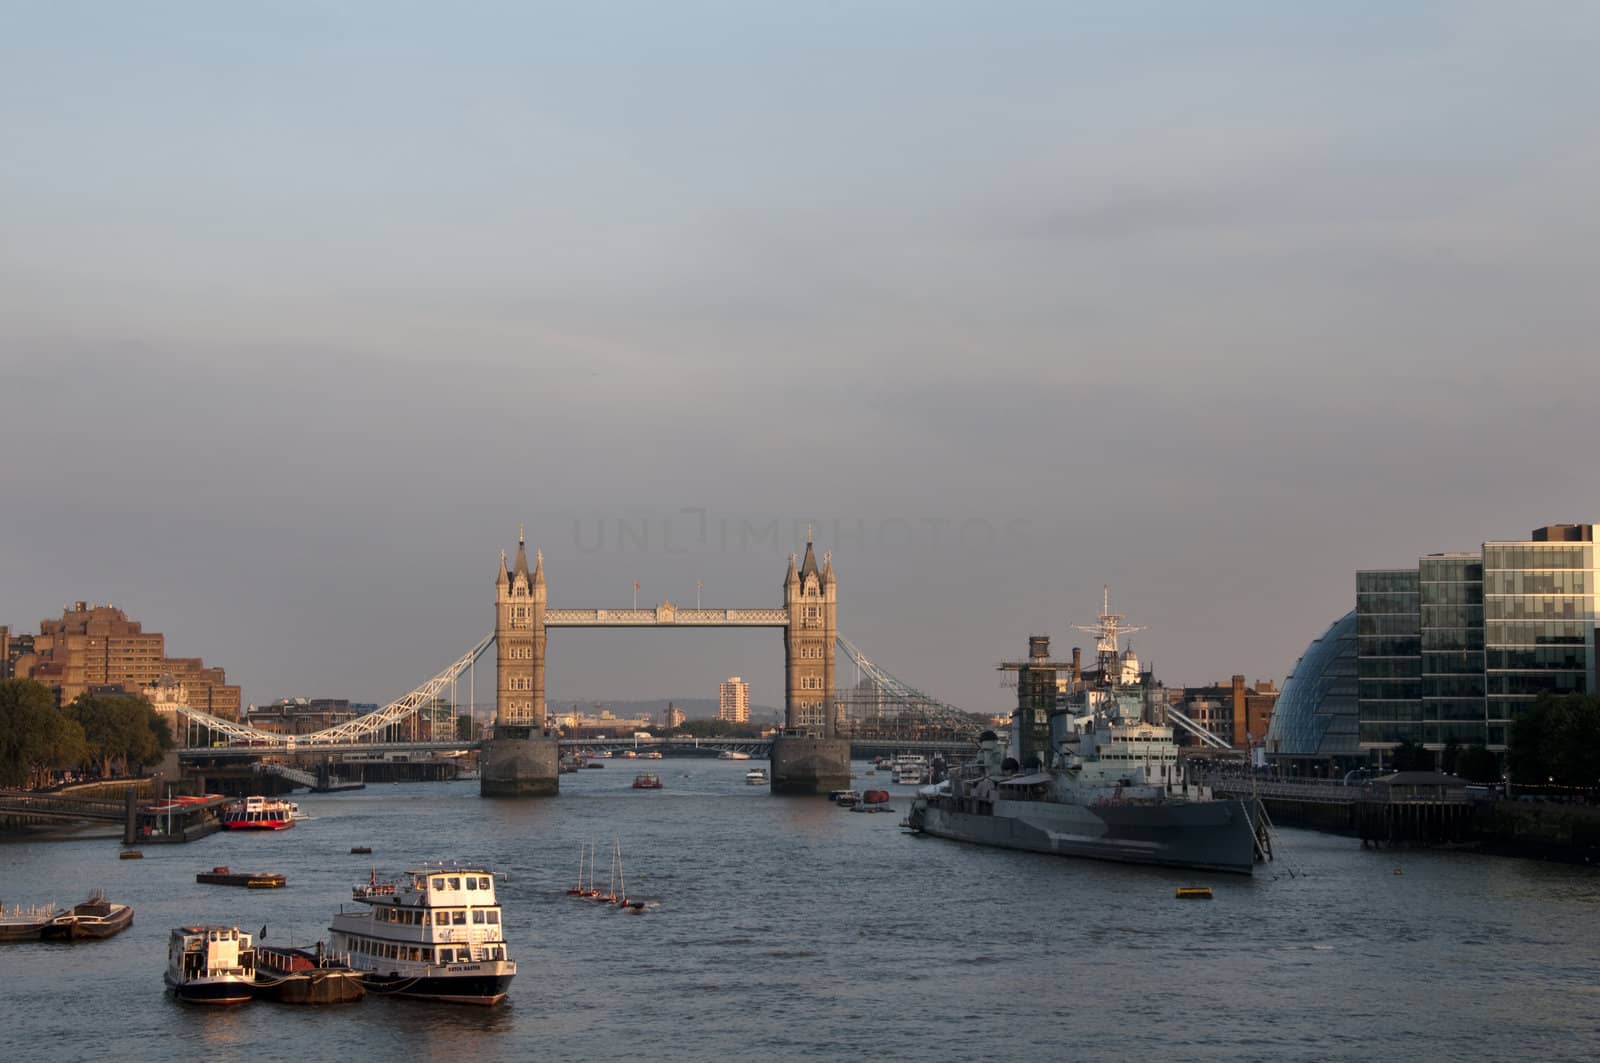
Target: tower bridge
x=809 y=755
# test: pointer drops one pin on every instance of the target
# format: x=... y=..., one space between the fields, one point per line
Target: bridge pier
x=519 y=762
x=805 y=765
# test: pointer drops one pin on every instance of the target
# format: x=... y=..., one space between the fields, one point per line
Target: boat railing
x=379 y=889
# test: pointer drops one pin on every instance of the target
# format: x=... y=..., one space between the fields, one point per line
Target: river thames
x=788 y=928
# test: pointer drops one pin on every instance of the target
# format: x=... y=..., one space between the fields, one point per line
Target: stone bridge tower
x=519 y=605
x=811 y=596
x=520 y=761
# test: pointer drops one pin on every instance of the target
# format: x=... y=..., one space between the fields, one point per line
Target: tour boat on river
x=647 y=780
x=259 y=813
x=434 y=934
x=211 y=965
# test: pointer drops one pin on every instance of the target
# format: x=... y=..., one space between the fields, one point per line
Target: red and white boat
x=259 y=813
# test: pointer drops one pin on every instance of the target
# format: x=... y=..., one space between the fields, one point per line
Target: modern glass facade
x=1457 y=647
x=1318 y=711
x=1389 y=655
x=1539 y=624
x=1451 y=615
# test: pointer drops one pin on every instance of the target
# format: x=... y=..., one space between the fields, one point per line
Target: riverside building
x=99 y=648
x=1457 y=647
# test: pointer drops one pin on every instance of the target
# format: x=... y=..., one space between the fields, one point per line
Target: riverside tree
x=1557 y=741
x=121 y=730
x=34 y=735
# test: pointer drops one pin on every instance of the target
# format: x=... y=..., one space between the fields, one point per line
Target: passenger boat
x=654 y=754
x=306 y=976
x=435 y=934
x=258 y=813
x=911 y=769
x=756 y=777
x=647 y=780
x=211 y=965
x=730 y=754
x=26 y=922
x=91 y=920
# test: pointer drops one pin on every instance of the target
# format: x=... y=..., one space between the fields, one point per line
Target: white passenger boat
x=756 y=777
x=211 y=965
x=434 y=934
x=730 y=754
x=911 y=769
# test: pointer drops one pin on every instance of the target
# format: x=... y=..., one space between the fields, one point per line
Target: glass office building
x=1539 y=611
x=1389 y=655
x=1315 y=720
x=1455 y=648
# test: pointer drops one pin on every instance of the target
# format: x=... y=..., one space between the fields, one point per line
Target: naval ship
x=1091 y=772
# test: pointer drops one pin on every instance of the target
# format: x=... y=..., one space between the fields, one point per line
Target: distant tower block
x=520 y=760
x=809 y=758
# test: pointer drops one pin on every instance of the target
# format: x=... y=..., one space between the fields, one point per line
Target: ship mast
x=1106 y=633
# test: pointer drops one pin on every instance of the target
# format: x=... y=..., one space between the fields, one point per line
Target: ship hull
x=1206 y=835
x=487 y=989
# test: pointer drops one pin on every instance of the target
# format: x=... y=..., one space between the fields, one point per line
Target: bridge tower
x=521 y=760
x=809 y=758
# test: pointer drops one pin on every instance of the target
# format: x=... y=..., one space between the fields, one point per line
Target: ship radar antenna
x=1106 y=633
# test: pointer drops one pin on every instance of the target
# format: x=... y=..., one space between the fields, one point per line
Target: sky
x=306 y=308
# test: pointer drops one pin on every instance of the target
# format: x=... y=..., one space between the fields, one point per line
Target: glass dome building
x=1314 y=728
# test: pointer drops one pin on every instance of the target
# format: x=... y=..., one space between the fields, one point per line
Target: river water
x=787 y=928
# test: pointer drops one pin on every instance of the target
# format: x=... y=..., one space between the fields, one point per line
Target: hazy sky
x=304 y=307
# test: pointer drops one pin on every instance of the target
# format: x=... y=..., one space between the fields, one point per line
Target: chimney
x=1241 y=738
x=1077 y=663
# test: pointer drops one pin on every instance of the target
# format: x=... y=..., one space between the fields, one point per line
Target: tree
x=1477 y=764
x=1408 y=756
x=1450 y=759
x=120 y=730
x=1557 y=740
x=34 y=735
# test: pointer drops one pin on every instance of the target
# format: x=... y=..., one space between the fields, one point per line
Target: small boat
x=26 y=922
x=875 y=797
x=306 y=976
x=361 y=850
x=845 y=798
x=647 y=780
x=91 y=920
x=729 y=754
x=756 y=777
x=654 y=754
x=211 y=965
x=259 y=813
x=130 y=854
x=253 y=880
x=1193 y=893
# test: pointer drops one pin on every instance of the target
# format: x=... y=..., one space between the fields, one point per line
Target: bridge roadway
x=756 y=747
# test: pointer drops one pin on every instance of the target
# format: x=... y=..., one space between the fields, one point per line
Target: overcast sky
x=305 y=307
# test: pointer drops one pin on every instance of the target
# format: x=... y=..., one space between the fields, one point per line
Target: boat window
x=494 y=917
x=472 y=882
x=477 y=915
x=438 y=883
x=441 y=918
x=459 y=917
x=447 y=955
x=455 y=883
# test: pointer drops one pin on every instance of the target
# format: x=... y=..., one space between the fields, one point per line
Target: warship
x=1091 y=771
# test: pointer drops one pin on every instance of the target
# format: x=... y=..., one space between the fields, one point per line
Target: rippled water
x=788 y=928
